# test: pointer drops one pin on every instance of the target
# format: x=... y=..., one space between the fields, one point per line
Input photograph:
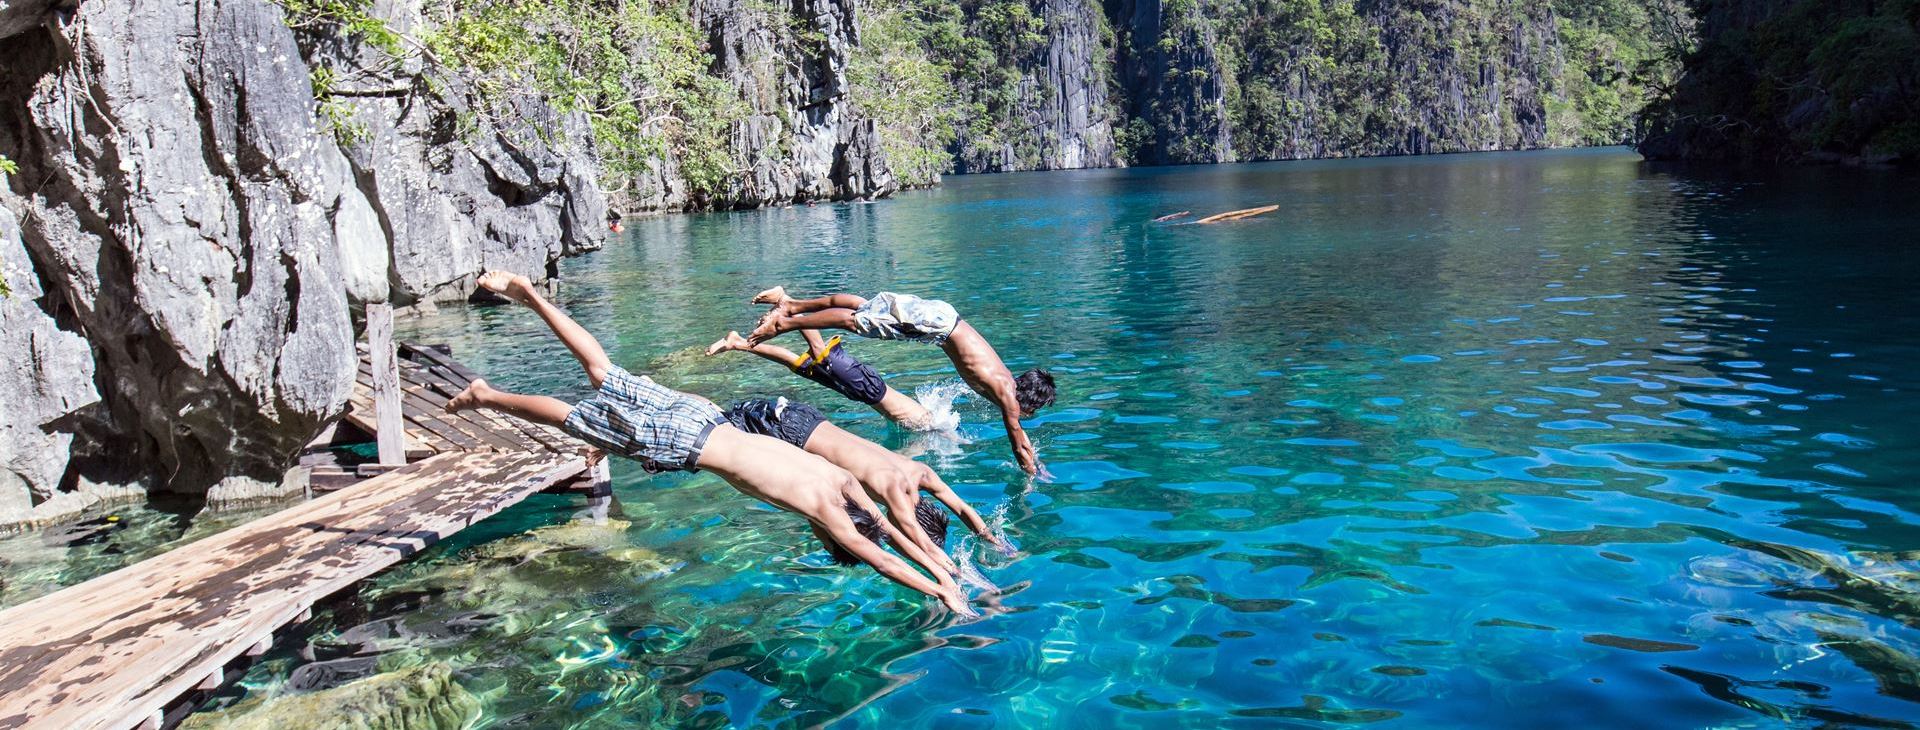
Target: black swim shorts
x=780 y=418
x=844 y=374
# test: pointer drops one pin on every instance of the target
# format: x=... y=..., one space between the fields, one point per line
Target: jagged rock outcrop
x=1075 y=118
x=422 y=698
x=47 y=376
x=208 y=236
x=1462 y=76
x=515 y=191
x=801 y=139
x=182 y=209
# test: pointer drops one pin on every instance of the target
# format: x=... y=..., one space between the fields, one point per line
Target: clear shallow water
x=1511 y=440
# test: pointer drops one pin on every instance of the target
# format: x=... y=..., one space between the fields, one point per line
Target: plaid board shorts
x=632 y=416
x=890 y=316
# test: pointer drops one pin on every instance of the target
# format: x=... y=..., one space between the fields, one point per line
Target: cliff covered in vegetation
x=1075 y=83
x=1786 y=80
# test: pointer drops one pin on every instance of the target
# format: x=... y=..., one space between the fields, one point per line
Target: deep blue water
x=1503 y=440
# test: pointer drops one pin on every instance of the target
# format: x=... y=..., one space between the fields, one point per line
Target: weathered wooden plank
x=390 y=432
x=423 y=415
x=429 y=355
x=108 y=652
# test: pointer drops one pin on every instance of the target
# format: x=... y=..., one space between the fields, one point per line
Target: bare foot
x=470 y=398
x=768 y=327
x=733 y=341
x=507 y=284
x=776 y=295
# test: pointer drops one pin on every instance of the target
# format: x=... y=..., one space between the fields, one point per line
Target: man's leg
x=777 y=297
x=733 y=341
x=585 y=348
x=535 y=408
x=816 y=345
x=777 y=321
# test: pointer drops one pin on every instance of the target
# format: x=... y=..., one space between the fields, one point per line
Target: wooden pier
x=138 y=647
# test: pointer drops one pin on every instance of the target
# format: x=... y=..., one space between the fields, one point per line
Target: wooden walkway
x=139 y=646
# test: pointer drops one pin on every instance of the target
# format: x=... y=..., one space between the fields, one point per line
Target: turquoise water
x=1512 y=440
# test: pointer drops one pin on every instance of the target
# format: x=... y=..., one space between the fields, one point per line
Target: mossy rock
x=421 y=698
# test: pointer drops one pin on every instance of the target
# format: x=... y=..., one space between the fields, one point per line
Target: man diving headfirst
x=890 y=316
x=667 y=430
x=894 y=480
x=829 y=364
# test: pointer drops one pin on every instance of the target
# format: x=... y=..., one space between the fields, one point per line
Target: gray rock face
x=801 y=140
x=443 y=204
x=1075 y=117
x=209 y=239
x=46 y=377
x=1061 y=108
x=181 y=207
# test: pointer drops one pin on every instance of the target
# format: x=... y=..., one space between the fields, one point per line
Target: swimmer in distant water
x=667 y=430
x=890 y=478
x=828 y=363
x=890 y=316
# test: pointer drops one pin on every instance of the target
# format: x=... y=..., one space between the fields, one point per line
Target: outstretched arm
x=843 y=532
x=931 y=482
x=908 y=546
x=1004 y=396
x=585 y=348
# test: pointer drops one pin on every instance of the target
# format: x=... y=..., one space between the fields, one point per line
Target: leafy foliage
x=1839 y=77
x=1621 y=55
x=896 y=80
x=634 y=68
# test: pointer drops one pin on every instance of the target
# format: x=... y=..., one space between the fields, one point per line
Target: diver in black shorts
x=828 y=363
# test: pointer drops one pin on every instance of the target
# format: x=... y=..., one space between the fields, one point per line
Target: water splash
x=938 y=398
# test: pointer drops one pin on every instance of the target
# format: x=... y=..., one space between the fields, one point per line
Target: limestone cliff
x=192 y=241
x=1045 y=84
x=799 y=139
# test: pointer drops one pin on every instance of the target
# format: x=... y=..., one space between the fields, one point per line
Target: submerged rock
x=421 y=698
x=523 y=576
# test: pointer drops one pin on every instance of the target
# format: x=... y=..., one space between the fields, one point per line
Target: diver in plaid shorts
x=667 y=430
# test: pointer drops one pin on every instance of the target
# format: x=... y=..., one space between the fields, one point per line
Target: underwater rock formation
x=422 y=698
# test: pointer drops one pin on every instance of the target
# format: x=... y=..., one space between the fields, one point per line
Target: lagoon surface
x=1511 y=440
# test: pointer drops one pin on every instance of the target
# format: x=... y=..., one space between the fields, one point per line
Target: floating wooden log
x=1234 y=215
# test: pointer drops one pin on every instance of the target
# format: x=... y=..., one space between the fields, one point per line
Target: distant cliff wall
x=1792 y=80
x=1046 y=84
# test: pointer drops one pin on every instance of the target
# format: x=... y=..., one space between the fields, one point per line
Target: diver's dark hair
x=867 y=525
x=1034 y=390
x=933 y=519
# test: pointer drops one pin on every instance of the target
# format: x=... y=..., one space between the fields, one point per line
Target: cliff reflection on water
x=1514 y=439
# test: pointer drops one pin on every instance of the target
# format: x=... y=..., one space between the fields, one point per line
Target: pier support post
x=392 y=434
